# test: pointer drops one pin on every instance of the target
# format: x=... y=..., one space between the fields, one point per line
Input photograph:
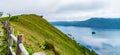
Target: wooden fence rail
x=20 y=49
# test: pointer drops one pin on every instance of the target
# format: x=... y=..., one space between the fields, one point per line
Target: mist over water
x=104 y=42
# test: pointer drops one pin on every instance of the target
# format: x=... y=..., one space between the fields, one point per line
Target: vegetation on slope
x=39 y=35
x=3 y=41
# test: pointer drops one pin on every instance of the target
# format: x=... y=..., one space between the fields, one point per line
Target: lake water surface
x=104 y=42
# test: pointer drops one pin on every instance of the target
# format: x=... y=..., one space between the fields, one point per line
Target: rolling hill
x=39 y=35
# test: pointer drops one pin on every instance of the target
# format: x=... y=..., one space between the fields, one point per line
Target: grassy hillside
x=39 y=35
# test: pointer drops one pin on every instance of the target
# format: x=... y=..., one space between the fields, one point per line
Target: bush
x=46 y=46
x=14 y=18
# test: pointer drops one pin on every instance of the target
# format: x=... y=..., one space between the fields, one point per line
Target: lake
x=104 y=42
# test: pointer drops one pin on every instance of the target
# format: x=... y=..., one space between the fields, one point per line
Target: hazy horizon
x=63 y=10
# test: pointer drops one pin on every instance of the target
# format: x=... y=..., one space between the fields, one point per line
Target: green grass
x=39 y=35
x=3 y=40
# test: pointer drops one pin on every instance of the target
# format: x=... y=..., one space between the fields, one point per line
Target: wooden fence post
x=10 y=38
x=10 y=41
x=8 y=29
x=19 y=40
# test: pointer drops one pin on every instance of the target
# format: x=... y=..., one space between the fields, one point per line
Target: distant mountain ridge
x=111 y=23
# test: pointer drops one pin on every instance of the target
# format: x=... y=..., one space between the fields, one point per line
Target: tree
x=1 y=13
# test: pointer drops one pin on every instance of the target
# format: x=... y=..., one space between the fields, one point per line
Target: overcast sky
x=63 y=10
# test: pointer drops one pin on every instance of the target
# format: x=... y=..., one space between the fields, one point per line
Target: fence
x=20 y=49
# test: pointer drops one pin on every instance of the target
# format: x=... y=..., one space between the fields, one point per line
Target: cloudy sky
x=63 y=10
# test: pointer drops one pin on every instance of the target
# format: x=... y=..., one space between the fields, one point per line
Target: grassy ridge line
x=37 y=31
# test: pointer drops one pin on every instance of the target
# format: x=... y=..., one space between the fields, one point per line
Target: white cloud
x=92 y=41
x=63 y=9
